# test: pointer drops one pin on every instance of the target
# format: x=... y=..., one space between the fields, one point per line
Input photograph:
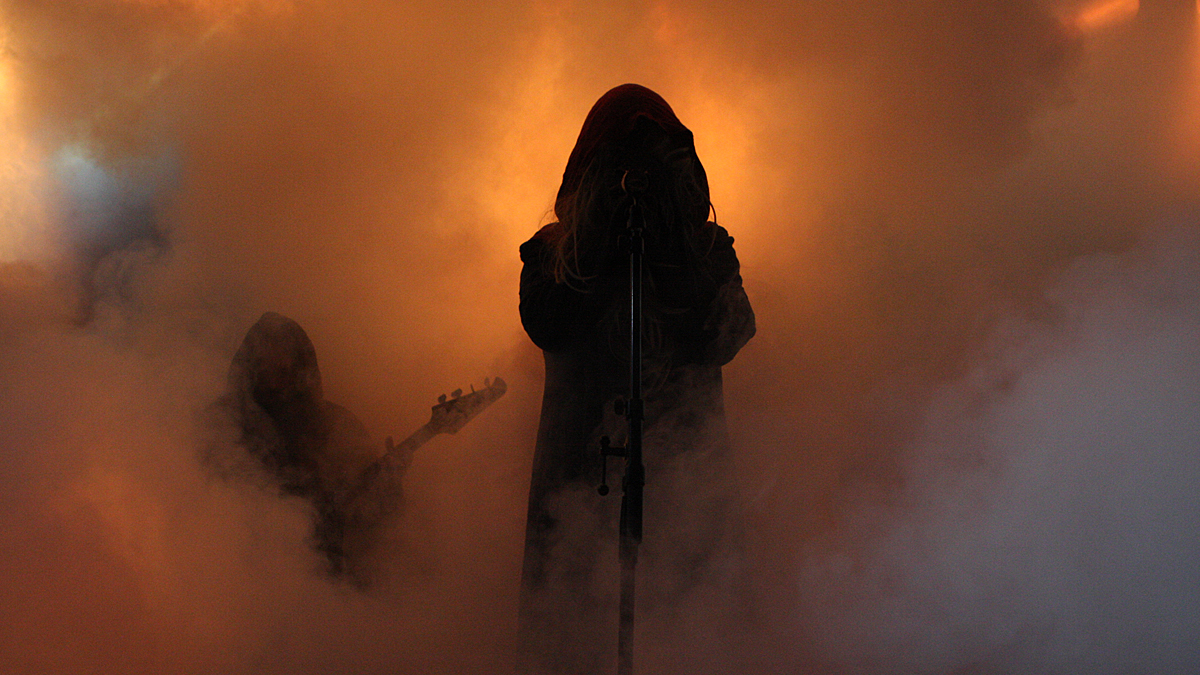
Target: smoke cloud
x=969 y=230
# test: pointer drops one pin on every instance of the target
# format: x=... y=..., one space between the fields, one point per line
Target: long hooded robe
x=315 y=449
x=697 y=317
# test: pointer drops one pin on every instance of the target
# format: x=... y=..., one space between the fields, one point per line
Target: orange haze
x=965 y=430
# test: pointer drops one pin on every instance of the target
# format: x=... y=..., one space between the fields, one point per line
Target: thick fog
x=965 y=431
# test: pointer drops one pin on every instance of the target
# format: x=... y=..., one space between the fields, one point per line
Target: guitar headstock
x=452 y=414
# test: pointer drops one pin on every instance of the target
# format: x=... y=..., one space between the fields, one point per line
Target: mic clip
x=634 y=182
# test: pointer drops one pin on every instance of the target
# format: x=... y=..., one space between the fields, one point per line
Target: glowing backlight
x=219 y=7
x=1104 y=13
x=22 y=212
x=1184 y=156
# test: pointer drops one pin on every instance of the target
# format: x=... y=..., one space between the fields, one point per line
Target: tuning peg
x=472 y=389
x=442 y=398
x=456 y=393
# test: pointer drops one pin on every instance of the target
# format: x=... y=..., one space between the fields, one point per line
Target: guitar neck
x=399 y=455
x=394 y=462
x=447 y=417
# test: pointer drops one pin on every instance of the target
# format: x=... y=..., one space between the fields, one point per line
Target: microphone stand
x=634 y=480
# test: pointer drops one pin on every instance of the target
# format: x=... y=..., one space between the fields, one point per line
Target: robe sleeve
x=713 y=319
x=723 y=318
x=553 y=314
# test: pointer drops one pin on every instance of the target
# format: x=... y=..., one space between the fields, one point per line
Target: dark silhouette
x=312 y=448
x=575 y=292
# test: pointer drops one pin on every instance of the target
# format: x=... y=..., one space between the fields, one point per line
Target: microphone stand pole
x=635 y=472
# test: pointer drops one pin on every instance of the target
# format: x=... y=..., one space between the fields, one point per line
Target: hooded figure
x=575 y=305
x=313 y=448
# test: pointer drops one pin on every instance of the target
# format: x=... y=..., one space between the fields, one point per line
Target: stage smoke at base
x=962 y=433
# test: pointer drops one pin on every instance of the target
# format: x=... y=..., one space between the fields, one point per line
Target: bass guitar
x=448 y=416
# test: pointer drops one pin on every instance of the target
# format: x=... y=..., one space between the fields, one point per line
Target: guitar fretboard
x=399 y=456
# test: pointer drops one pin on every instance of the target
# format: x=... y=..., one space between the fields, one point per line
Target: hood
x=276 y=367
x=613 y=120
